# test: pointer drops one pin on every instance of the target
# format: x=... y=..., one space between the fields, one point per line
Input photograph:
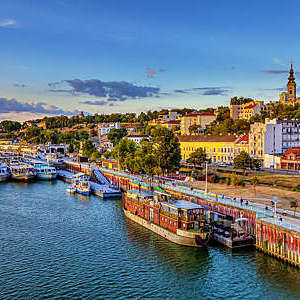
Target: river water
x=68 y=246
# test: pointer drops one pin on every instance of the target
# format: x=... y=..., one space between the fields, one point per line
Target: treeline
x=159 y=155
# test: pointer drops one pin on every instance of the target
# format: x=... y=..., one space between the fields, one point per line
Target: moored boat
x=71 y=190
x=4 y=173
x=45 y=172
x=179 y=221
x=22 y=172
x=82 y=187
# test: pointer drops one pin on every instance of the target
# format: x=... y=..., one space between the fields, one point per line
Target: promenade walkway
x=175 y=185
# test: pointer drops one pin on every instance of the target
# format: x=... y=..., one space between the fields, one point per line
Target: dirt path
x=263 y=194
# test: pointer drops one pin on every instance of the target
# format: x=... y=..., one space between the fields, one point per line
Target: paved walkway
x=258 y=208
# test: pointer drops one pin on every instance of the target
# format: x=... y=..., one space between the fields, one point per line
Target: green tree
x=197 y=157
x=115 y=135
x=167 y=149
x=88 y=148
x=10 y=125
x=242 y=161
x=254 y=181
x=194 y=129
x=123 y=152
x=294 y=204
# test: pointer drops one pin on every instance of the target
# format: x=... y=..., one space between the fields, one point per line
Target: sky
x=98 y=56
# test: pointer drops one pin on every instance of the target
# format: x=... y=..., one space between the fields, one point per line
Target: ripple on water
x=62 y=246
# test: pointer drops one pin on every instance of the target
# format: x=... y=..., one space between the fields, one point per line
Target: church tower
x=291 y=87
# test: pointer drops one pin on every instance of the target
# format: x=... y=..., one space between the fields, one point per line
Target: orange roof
x=244 y=138
x=250 y=106
x=295 y=150
x=172 y=122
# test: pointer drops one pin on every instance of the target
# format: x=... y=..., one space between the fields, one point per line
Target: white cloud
x=7 y=23
x=277 y=61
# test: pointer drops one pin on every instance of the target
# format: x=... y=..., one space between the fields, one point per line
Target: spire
x=291 y=77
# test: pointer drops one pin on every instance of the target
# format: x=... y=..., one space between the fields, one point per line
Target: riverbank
x=56 y=245
x=261 y=194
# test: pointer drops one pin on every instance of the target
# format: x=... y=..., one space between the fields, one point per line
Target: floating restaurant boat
x=22 y=172
x=179 y=221
x=4 y=173
x=45 y=172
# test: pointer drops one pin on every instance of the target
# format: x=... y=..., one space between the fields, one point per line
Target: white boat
x=71 y=190
x=82 y=187
x=80 y=177
x=22 y=172
x=45 y=172
x=4 y=173
x=55 y=160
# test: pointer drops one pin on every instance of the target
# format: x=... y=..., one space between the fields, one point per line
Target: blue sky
x=169 y=53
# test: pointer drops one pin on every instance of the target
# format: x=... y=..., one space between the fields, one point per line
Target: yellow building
x=171 y=125
x=202 y=119
x=246 y=110
x=219 y=148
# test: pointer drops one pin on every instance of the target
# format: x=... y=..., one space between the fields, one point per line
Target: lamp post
x=205 y=177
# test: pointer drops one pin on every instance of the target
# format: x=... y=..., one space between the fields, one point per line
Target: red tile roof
x=172 y=122
x=250 y=106
x=295 y=150
x=244 y=139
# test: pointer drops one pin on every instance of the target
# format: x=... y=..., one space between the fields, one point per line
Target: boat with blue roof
x=179 y=221
x=4 y=173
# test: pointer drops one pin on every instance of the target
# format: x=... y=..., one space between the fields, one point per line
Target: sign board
x=275 y=199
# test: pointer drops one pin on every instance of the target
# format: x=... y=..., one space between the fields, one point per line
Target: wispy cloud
x=7 y=23
x=271 y=71
x=8 y=105
x=20 y=85
x=206 y=91
x=277 y=61
x=112 y=91
x=98 y=103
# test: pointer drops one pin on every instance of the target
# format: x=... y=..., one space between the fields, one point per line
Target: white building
x=105 y=128
x=137 y=138
x=273 y=137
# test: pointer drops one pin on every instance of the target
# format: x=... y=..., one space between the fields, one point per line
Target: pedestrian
x=247 y=202
x=241 y=201
x=266 y=207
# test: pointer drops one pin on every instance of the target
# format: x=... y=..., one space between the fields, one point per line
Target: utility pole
x=205 y=177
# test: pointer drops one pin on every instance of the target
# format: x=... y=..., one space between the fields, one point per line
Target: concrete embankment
x=289 y=249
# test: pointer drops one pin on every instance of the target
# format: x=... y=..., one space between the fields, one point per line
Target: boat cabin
x=166 y=212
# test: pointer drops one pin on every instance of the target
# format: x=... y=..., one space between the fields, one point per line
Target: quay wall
x=272 y=239
x=278 y=242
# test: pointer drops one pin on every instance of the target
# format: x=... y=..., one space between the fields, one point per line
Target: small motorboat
x=83 y=187
x=71 y=190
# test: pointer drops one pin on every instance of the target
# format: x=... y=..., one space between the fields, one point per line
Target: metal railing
x=261 y=213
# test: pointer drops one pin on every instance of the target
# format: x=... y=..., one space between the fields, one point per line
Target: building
x=202 y=119
x=131 y=128
x=273 y=137
x=105 y=144
x=290 y=160
x=172 y=115
x=219 y=148
x=171 y=125
x=137 y=138
x=245 y=110
x=289 y=97
x=105 y=128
